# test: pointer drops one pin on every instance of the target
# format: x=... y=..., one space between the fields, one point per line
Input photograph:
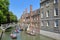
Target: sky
x=18 y=6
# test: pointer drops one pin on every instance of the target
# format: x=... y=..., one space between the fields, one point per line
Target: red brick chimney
x=30 y=17
x=30 y=7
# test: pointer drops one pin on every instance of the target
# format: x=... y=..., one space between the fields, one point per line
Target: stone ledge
x=50 y=34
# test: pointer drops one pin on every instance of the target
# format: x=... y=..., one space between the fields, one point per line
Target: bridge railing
x=5 y=26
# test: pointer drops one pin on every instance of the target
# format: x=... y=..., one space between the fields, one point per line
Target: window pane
x=42 y=15
x=56 y=11
x=56 y=22
x=41 y=23
x=47 y=13
x=47 y=23
x=56 y=1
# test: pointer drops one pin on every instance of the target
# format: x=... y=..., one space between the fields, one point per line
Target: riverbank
x=23 y=36
x=50 y=34
x=0 y=32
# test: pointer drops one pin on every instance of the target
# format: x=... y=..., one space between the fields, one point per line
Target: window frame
x=42 y=14
x=42 y=23
x=55 y=11
x=55 y=1
x=47 y=23
x=47 y=13
x=56 y=23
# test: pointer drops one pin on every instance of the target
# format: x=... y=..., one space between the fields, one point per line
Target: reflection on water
x=20 y=36
x=29 y=37
x=6 y=36
x=24 y=36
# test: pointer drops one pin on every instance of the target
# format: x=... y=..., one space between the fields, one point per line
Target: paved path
x=50 y=34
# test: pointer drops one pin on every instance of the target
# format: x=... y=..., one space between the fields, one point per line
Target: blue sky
x=18 y=6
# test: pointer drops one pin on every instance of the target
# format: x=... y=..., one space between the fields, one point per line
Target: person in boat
x=13 y=35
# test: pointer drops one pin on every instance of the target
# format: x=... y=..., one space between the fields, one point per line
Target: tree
x=5 y=15
x=13 y=17
x=1 y=16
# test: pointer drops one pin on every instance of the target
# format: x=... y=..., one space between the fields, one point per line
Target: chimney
x=30 y=7
x=26 y=10
x=30 y=16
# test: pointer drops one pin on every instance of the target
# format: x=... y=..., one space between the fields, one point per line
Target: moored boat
x=13 y=36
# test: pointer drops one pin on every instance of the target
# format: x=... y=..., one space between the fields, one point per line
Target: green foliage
x=5 y=15
x=13 y=18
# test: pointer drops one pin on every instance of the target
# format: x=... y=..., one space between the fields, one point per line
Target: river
x=24 y=36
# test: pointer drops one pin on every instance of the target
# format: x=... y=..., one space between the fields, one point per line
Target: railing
x=5 y=26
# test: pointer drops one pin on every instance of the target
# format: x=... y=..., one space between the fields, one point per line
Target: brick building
x=32 y=19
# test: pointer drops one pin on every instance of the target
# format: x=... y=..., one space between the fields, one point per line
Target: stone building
x=50 y=15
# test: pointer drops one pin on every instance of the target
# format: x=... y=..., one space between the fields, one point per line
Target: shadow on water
x=6 y=36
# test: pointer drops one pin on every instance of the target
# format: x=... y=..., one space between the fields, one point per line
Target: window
x=37 y=18
x=34 y=19
x=41 y=23
x=55 y=11
x=47 y=3
x=40 y=0
x=23 y=19
x=47 y=14
x=36 y=25
x=39 y=12
x=47 y=23
x=55 y=1
x=42 y=6
x=42 y=15
x=56 y=23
